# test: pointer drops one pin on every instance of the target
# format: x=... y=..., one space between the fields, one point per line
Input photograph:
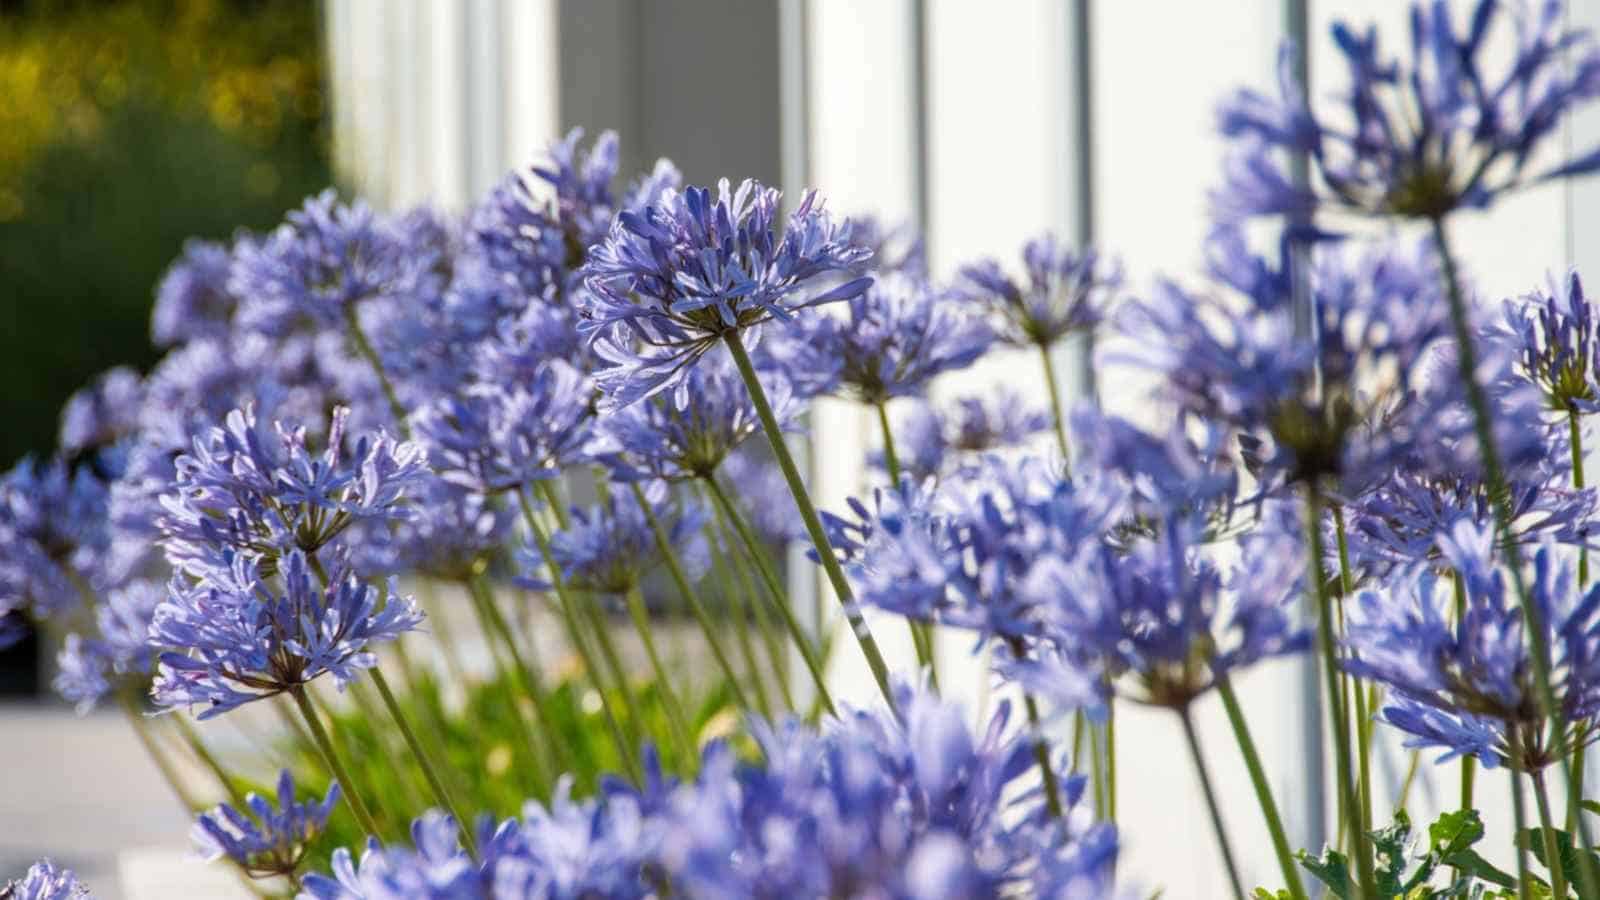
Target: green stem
x=1211 y=803
x=1547 y=829
x=600 y=625
x=1362 y=721
x=1519 y=815
x=1579 y=770
x=1575 y=434
x=753 y=550
x=209 y=760
x=435 y=783
x=669 y=697
x=347 y=785
x=169 y=772
x=526 y=672
x=921 y=632
x=757 y=601
x=1258 y=778
x=691 y=597
x=1041 y=747
x=1410 y=779
x=364 y=347
x=1500 y=496
x=1111 y=759
x=813 y=523
x=1330 y=667
x=1469 y=763
x=741 y=603
x=574 y=625
x=1056 y=407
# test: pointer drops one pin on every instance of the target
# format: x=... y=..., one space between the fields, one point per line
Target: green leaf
x=1470 y=863
x=1591 y=806
x=1454 y=832
x=1332 y=869
x=1262 y=893
x=1390 y=846
x=1571 y=864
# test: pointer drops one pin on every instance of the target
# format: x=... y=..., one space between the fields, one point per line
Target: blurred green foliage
x=128 y=127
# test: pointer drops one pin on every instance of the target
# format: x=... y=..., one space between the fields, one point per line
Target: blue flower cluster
x=264 y=841
x=870 y=806
x=45 y=881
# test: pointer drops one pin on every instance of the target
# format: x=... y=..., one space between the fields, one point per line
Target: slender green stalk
x=1111 y=759
x=921 y=632
x=1211 y=802
x=192 y=739
x=742 y=613
x=797 y=633
x=1547 y=829
x=358 y=337
x=527 y=672
x=435 y=783
x=756 y=601
x=1362 y=720
x=1579 y=769
x=1410 y=779
x=1519 y=815
x=347 y=785
x=601 y=628
x=1060 y=413
x=813 y=523
x=1469 y=763
x=1041 y=746
x=675 y=569
x=163 y=763
x=669 y=697
x=574 y=625
x=1258 y=778
x=1330 y=667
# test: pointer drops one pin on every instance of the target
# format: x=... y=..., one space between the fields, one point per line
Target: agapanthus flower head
x=242 y=639
x=263 y=839
x=45 y=880
x=89 y=667
x=1399 y=523
x=960 y=554
x=1065 y=291
x=582 y=182
x=935 y=440
x=1464 y=678
x=1306 y=411
x=102 y=413
x=872 y=806
x=895 y=248
x=193 y=300
x=610 y=547
x=244 y=491
x=1454 y=124
x=434 y=867
x=492 y=437
x=1189 y=470
x=53 y=535
x=689 y=432
x=452 y=531
x=1163 y=615
x=669 y=281
x=323 y=260
x=1559 y=350
x=896 y=337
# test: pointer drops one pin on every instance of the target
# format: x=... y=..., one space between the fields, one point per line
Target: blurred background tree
x=127 y=127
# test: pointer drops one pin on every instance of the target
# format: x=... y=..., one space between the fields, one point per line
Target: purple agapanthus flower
x=933 y=441
x=45 y=880
x=1305 y=410
x=240 y=639
x=89 y=667
x=895 y=248
x=492 y=437
x=671 y=280
x=435 y=867
x=896 y=337
x=193 y=300
x=763 y=496
x=1188 y=470
x=261 y=839
x=1163 y=615
x=610 y=547
x=102 y=413
x=241 y=491
x=961 y=554
x=325 y=258
x=1066 y=291
x=1462 y=679
x=53 y=536
x=1453 y=125
x=1559 y=350
x=688 y=433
